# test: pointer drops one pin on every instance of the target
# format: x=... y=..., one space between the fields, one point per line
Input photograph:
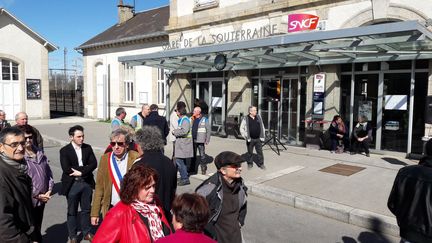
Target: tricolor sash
x=114 y=171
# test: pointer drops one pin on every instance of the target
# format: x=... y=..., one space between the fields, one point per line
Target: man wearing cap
x=410 y=199
x=226 y=194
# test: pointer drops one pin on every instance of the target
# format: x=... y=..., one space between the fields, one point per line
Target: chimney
x=125 y=12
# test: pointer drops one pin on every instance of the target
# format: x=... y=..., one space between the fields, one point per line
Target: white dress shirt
x=122 y=165
x=78 y=152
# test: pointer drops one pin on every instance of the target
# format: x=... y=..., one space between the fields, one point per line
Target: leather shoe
x=89 y=237
x=72 y=240
x=183 y=183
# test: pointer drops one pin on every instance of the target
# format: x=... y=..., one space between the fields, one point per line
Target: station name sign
x=223 y=37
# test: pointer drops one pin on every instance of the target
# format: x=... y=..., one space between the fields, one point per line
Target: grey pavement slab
x=292 y=178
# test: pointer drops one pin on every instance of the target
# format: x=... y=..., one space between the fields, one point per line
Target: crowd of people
x=133 y=196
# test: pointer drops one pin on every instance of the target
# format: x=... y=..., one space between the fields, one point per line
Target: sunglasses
x=29 y=137
x=118 y=143
x=15 y=144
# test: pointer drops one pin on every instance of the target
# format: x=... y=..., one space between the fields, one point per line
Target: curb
x=337 y=211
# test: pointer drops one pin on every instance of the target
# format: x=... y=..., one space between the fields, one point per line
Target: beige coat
x=103 y=190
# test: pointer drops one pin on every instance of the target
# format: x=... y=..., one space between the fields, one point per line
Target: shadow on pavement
x=394 y=161
x=56 y=233
x=369 y=237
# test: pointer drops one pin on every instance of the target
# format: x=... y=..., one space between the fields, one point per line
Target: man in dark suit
x=154 y=119
x=78 y=162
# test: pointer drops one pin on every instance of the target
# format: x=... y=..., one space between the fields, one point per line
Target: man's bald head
x=21 y=118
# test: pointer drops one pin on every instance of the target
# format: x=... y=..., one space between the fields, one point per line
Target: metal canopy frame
x=407 y=40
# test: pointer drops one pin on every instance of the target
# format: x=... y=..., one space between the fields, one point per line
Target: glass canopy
x=406 y=40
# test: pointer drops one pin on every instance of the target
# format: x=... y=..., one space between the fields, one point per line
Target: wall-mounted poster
x=33 y=89
x=143 y=97
x=396 y=102
x=319 y=83
x=216 y=102
x=318 y=108
x=365 y=108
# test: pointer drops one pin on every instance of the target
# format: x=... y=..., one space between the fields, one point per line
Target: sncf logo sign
x=300 y=22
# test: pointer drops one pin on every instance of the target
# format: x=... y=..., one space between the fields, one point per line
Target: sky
x=69 y=23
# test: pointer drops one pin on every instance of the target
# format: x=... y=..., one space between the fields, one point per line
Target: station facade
x=303 y=61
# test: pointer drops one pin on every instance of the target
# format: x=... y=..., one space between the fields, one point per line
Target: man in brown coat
x=112 y=167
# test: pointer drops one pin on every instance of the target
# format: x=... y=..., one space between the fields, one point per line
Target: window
x=128 y=83
x=161 y=86
x=9 y=70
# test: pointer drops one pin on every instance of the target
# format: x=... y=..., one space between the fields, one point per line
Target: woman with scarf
x=138 y=217
x=42 y=179
x=362 y=135
x=338 y=135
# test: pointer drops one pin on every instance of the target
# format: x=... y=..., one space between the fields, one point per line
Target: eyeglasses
x=28 y=137
x=16 y=144
x=118 y=143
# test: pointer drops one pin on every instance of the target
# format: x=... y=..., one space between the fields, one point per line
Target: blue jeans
x=181 y=166
x=79 y=194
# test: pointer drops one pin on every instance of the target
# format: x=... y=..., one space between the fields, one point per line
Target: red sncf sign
x=300 y=22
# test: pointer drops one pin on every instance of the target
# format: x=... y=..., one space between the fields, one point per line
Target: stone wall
x=239 y=93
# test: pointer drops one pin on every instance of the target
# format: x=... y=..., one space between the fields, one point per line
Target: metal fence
x=66 y=89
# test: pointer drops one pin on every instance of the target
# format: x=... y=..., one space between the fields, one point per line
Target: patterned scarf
x=153 y=214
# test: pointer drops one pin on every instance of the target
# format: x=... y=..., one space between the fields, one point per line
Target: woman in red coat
x=190 y=215
x=139 y=216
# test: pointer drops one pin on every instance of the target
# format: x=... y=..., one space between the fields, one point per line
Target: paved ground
x=293 y=178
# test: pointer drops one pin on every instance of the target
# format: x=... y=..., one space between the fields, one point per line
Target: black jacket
x=69 y=159
x=16 y=221
x=361 y=130
x=411 y=201
x=211 y=189
x=154 y=119
x=167 y=182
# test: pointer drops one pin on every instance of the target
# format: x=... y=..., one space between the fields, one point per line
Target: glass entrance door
x=395 y=111
x=366 y=100
x=279 y=108
x=289 y=128
x=211 y=93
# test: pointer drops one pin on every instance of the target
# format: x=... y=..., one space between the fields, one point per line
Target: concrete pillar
x=180 y=90
x=239 y=93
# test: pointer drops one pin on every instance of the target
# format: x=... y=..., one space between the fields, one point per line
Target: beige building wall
x=239 y=93
x=22 y=47
x=144 y=77
x=180 y=90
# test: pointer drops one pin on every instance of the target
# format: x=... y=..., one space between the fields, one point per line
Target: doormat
x=342 y=169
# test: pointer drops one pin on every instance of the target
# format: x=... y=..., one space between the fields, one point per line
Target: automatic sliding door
x=289 y=126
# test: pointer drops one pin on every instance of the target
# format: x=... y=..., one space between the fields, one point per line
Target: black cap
x=228 y=158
